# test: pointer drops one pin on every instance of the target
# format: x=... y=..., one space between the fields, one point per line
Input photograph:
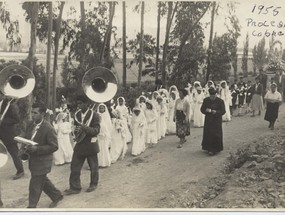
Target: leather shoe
x=54 y=203
x=18 y=175
x=90 y=189
x=71 y=191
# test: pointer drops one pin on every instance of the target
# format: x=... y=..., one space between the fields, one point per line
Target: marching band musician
x=9 y=118
x=41 y=156
x=87 y=124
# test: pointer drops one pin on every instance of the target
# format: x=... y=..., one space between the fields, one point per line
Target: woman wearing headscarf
x=138 y=127
x=171 y=125
x=162 y=113
x=273 y=100
x=257 y=100
x=213 y=108
x=104 y=137
x=121 y=106
x=199 y=117
x=119 y=145
x=141 y=102
x=65 y=151
x=182 y=109
x=151 y=119
x=157 y=108
x=225 y=95
x=208 y=86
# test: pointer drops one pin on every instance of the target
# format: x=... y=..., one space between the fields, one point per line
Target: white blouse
x=276 y=96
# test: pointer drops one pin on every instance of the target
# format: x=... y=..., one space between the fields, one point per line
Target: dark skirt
x=271 y=113
x=182 y=127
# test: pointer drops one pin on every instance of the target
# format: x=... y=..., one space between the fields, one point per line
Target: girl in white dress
x=157 y=108
x=162 y=112
x=151 y=118
x=138 y=126
x=199 y=117
x=225 y=95
x=104 y=137
x=119 y=145
x=122 y=108
x=65 y=151
x=171 y=125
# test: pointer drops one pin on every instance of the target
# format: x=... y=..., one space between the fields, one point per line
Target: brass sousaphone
x=16 y=81
x=100 y=85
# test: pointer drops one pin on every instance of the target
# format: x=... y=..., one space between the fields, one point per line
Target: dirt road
x=146 y=180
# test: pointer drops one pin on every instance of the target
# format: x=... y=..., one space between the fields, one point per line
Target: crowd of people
x=102 y=133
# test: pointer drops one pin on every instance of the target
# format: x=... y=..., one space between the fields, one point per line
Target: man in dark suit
x=87 y=124
x=158 y=85
x=41 y=156
x=9 y=118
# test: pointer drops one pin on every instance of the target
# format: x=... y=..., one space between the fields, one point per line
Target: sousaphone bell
x=99 y=84
x=16 y=81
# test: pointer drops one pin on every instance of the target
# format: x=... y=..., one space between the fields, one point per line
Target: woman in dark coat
x=213 y=108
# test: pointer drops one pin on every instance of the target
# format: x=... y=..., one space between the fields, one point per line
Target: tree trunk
x=166 y=42
x=157 y=41
x=49 y=43
x=83 y=27
x=187 y=34
x=209 y=54
x=141 y=47
x=124 y=47
x=56 y=47
x=105 y=50
x=32 y=50
x=34 y=19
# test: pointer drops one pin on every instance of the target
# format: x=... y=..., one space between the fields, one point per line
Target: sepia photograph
x=142 y=105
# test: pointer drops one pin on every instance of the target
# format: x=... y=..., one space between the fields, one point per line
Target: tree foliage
x=221 y=57
x=260 y=54
x=187 y=32
x=148 y=54
x=10 y=26
x=234 y=33
x=85 y=44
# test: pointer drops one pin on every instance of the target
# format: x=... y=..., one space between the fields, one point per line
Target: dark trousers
x=14 y=152
x=76 y=166
x=39 y=183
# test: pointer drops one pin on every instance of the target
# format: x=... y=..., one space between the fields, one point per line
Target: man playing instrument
x=41 y=156
x=87 y=124
x=9 y=118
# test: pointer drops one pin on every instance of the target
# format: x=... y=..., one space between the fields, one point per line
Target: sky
x=268 y=13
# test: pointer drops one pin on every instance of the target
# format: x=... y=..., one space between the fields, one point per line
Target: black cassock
x=213 y=132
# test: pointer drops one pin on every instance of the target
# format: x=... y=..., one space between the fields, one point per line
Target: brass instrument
x=24 y=155
x=100 y=85
x=3 y=154
x=16 y=81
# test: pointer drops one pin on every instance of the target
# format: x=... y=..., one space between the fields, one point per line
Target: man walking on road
x=9 y=118
x=213 y=108
x=41 y=156
x=87 y=124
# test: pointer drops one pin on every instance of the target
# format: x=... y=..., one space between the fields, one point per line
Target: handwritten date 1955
x=261 y=9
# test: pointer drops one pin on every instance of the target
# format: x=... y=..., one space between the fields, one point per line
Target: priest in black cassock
x=213 y=108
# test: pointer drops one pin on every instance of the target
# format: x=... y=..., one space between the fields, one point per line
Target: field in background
x=132 y=73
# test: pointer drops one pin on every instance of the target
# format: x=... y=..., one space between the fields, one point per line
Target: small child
x=119 y=145
x=151 y=118
x=138 y=126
